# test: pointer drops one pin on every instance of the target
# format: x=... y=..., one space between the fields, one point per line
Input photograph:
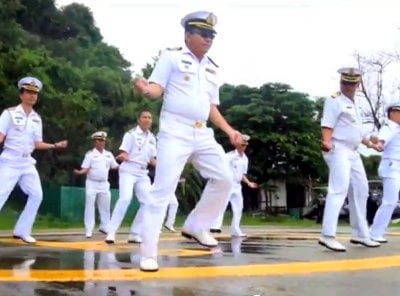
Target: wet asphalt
x=270 y=261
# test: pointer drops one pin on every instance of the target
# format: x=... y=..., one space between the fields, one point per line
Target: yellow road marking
x=121 y=245
x=203 y=272
x=101 y=246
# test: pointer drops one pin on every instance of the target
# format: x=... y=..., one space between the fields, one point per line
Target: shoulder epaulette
x=12 y=108
x=174 y=48
x=132 y=130
x=36 y=114
x=210 y=59
x=336 y=94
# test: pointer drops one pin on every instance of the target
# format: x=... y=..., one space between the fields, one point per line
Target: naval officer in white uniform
x=342 y=133
x=21 y=133
x=188 y=81
x=96 y=166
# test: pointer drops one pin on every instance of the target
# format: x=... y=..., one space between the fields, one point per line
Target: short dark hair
x=143 y=111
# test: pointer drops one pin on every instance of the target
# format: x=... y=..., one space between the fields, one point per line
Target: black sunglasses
x=203 y=33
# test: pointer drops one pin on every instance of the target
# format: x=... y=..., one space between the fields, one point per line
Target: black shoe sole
x=213 y=230
x=355 y=242
x=328 y=247
x=110 y=242
x=133 y=242
x=189 y=236
x=147 y=270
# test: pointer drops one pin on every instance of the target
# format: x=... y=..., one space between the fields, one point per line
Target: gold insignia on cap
x=99 y=135
x=211 y=19
x=31 y=86
x=30 y=83
x=352 y=75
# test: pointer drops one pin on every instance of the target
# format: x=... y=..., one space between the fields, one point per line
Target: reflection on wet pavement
x=67 y=265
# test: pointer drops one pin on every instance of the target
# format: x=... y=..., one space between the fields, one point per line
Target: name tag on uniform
x=18 y=120
x=212 y=71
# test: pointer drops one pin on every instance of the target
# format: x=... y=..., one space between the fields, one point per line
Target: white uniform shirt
x=343 y=116
x=190 y=86
x=21 y=133
x=238 y=165
x=141 y=148
x=390 y=133
x=99 y=164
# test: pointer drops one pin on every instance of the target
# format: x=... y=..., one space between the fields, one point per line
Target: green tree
x=285 y=132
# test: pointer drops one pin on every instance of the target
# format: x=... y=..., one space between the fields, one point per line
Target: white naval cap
x=200 y=19
x=99 y=135
x=30 y=83
x=349 y=74
x=393 y=106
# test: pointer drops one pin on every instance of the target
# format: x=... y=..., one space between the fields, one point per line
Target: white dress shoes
x=25 y=238
x=110 y=239
x=331 y=243
x=202 y=237
x=380 y=240
x=148 y=264
x=134 y=238
x=364 y=241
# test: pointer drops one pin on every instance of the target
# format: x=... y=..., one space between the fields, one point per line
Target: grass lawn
x=9 y=216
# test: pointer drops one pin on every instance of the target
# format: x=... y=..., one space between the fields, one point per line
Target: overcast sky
x=298 y=42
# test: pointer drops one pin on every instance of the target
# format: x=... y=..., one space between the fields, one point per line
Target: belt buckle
x=198 y=124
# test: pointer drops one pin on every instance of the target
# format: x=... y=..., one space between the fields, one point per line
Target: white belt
x=339 y=143
x=135 y=165
x=184 y=120
x=98 y=181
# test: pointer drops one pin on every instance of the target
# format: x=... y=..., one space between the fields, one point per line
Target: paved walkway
x=270 y=261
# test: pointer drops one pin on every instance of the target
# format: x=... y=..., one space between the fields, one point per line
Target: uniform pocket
x=186 y=72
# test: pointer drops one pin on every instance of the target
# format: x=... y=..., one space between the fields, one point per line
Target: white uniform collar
x=20 y=109
x=140 y=131
x=97 y=151
x=348 y=99
x=186 y=50
x=392 y=125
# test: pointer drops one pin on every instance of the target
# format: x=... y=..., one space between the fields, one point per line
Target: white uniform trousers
x=172 y=210
x=389 y=170
x=127 y=183
x=346 y=178
x=177 y=141
x=97 y=191
x=27 y=177
x=236 y=201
